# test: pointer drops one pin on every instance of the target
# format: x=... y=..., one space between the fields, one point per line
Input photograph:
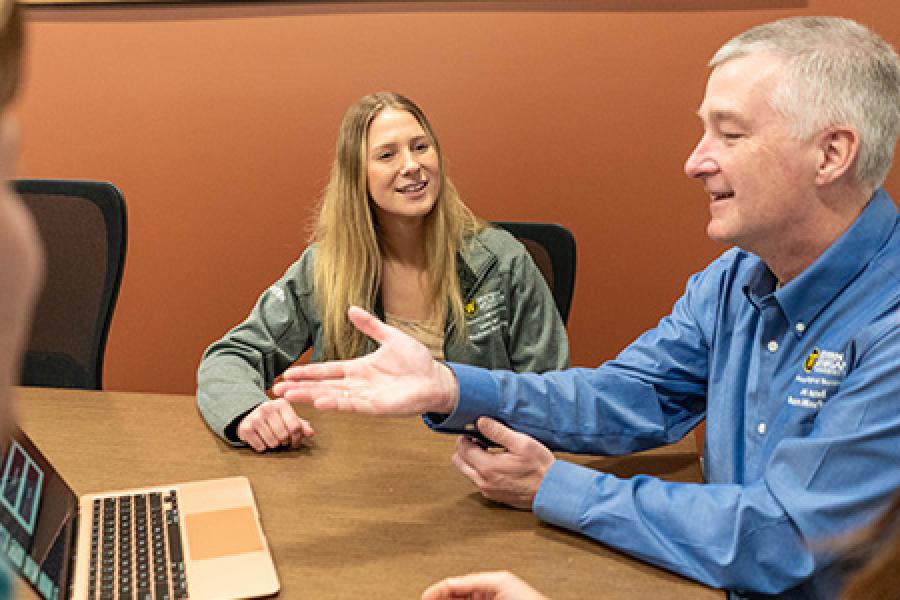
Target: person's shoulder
x=734 y=267
x=497 y=241
x=888 y=257
x=301 y=274
x=19 y=243
x=734 y=260
x=21 y=271
x=307 y=257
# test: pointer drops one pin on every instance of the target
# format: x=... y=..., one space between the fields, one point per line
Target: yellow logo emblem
x=810 y=361
x=471 y=308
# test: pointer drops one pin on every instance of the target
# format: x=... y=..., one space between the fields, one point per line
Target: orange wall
x=218 y=124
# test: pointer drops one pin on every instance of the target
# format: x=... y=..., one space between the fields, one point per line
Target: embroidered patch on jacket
x=486 y=317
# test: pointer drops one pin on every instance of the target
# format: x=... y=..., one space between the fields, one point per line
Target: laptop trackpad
x=218 y=533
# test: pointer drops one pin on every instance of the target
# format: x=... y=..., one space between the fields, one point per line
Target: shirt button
x=772 y=346
x=761 y=428
x=800 y=327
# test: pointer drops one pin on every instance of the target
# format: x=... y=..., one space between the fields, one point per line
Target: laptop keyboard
x=136 y=548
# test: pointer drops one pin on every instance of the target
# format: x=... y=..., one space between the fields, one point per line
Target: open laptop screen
x=38 y=512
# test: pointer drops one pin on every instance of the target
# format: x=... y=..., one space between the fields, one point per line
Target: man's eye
x=422 y=146
x=731 y=136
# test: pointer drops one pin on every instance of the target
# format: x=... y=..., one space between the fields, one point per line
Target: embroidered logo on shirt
x=471 y=307
x=830 y=363
x=825 y=370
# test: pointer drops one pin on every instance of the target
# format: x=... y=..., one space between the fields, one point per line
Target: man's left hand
x=512 y=477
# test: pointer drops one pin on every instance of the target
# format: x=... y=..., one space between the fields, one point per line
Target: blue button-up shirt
x=800 y=386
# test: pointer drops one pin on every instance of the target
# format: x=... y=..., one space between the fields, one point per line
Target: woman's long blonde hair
x=348 y=255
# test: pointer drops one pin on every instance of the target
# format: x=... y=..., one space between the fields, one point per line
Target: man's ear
x=838 y=149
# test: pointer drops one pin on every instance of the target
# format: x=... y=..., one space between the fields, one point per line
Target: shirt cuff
x=560 y=498
x=479 y=396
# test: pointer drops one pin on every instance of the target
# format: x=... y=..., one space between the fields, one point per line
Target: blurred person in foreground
x=21 y=258
x=788 y=344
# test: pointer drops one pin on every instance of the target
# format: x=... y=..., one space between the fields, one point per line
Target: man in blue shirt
x=788 y=343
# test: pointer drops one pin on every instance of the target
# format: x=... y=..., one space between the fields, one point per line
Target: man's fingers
x=499 y=433
x=462 y=459
x=368 y=324
x=306 y=392
x=343 y=401
x=320 y=371
x=326 y=396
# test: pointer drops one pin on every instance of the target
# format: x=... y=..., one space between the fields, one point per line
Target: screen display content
x=37 y=511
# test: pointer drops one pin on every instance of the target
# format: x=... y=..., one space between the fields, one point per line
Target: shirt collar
x=760 y=284
x=804 y=297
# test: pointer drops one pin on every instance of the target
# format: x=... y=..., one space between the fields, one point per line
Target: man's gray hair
x=836 y=72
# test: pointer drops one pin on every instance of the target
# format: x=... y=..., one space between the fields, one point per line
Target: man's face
x=759 y=179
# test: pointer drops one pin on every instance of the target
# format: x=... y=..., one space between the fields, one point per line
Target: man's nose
x=700 y=163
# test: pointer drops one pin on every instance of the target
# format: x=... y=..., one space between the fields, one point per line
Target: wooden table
x=370 y=508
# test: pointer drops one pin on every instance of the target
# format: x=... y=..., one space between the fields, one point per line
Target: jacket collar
x=472 y=265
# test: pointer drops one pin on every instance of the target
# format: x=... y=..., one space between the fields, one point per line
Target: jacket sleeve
x=236 y=371
x=537 y=336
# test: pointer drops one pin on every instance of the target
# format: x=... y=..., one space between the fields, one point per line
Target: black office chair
x=82 y=224
x=552 y=247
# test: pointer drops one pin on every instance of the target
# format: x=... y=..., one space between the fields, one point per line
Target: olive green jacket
x=514 y=325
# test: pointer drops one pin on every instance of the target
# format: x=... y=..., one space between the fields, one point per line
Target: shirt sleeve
x=769 y=535
x=236 y=371
x=652 y=394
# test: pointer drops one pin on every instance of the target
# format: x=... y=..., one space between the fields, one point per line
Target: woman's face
x=402 y=167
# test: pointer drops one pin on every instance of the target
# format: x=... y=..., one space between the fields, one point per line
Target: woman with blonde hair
x=392 y=236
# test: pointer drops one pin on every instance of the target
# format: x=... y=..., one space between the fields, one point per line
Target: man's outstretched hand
x=398 y=379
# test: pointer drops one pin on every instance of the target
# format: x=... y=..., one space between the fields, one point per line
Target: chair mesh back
x=541 y=259
x=82 y=276
x=552 y=247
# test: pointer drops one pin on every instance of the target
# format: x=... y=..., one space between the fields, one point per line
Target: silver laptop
x=198 y=540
